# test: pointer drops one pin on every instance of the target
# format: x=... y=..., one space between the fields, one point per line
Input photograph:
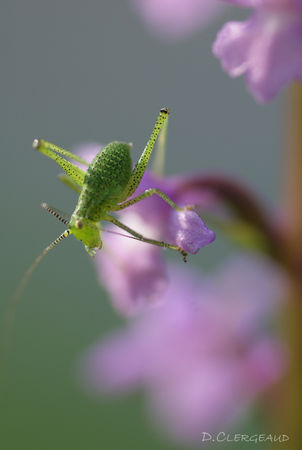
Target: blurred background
x=74 y=72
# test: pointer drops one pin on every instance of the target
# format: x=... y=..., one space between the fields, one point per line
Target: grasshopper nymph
x=105 y=187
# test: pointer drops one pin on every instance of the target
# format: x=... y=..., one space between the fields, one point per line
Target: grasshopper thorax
x=86 y=231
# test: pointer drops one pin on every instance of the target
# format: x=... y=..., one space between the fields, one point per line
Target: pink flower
x=203 y=355
x=176 y=18
x=133 y=272
x=267 y=48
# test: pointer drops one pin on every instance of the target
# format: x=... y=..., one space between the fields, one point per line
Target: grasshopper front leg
x=142 y=238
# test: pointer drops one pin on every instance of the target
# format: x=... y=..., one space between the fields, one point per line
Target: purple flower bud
x=189 y=231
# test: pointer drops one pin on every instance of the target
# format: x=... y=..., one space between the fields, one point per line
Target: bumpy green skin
x=105 y=180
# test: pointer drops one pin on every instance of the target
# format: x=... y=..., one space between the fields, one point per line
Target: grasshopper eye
x=79 y=224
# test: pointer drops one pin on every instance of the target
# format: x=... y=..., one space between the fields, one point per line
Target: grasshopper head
x=86 y=231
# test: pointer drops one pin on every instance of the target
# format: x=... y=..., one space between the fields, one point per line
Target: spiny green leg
x=61 y=151
x=140 y=167
x=76 y=174
x=148 y=193
x=141 y=238
x=68 y=182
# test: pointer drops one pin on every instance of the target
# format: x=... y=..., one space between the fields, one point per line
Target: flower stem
x=292 y=402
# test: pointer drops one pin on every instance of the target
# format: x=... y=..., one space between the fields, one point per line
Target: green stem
x=291 y=404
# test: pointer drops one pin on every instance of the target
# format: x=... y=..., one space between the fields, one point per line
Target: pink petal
x=267 y=48
x=176 y=18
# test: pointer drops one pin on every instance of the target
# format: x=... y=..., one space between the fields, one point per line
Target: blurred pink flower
x=134 y=273
x=203 y=355
x=176 y=19
x=266 y=48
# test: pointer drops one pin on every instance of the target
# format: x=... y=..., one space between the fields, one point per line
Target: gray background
x=74 y=72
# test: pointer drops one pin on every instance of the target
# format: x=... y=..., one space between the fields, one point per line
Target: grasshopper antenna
x=56 y=213
x=14 y=300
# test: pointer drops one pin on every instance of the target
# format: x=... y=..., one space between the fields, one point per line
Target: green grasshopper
x=105 y=187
